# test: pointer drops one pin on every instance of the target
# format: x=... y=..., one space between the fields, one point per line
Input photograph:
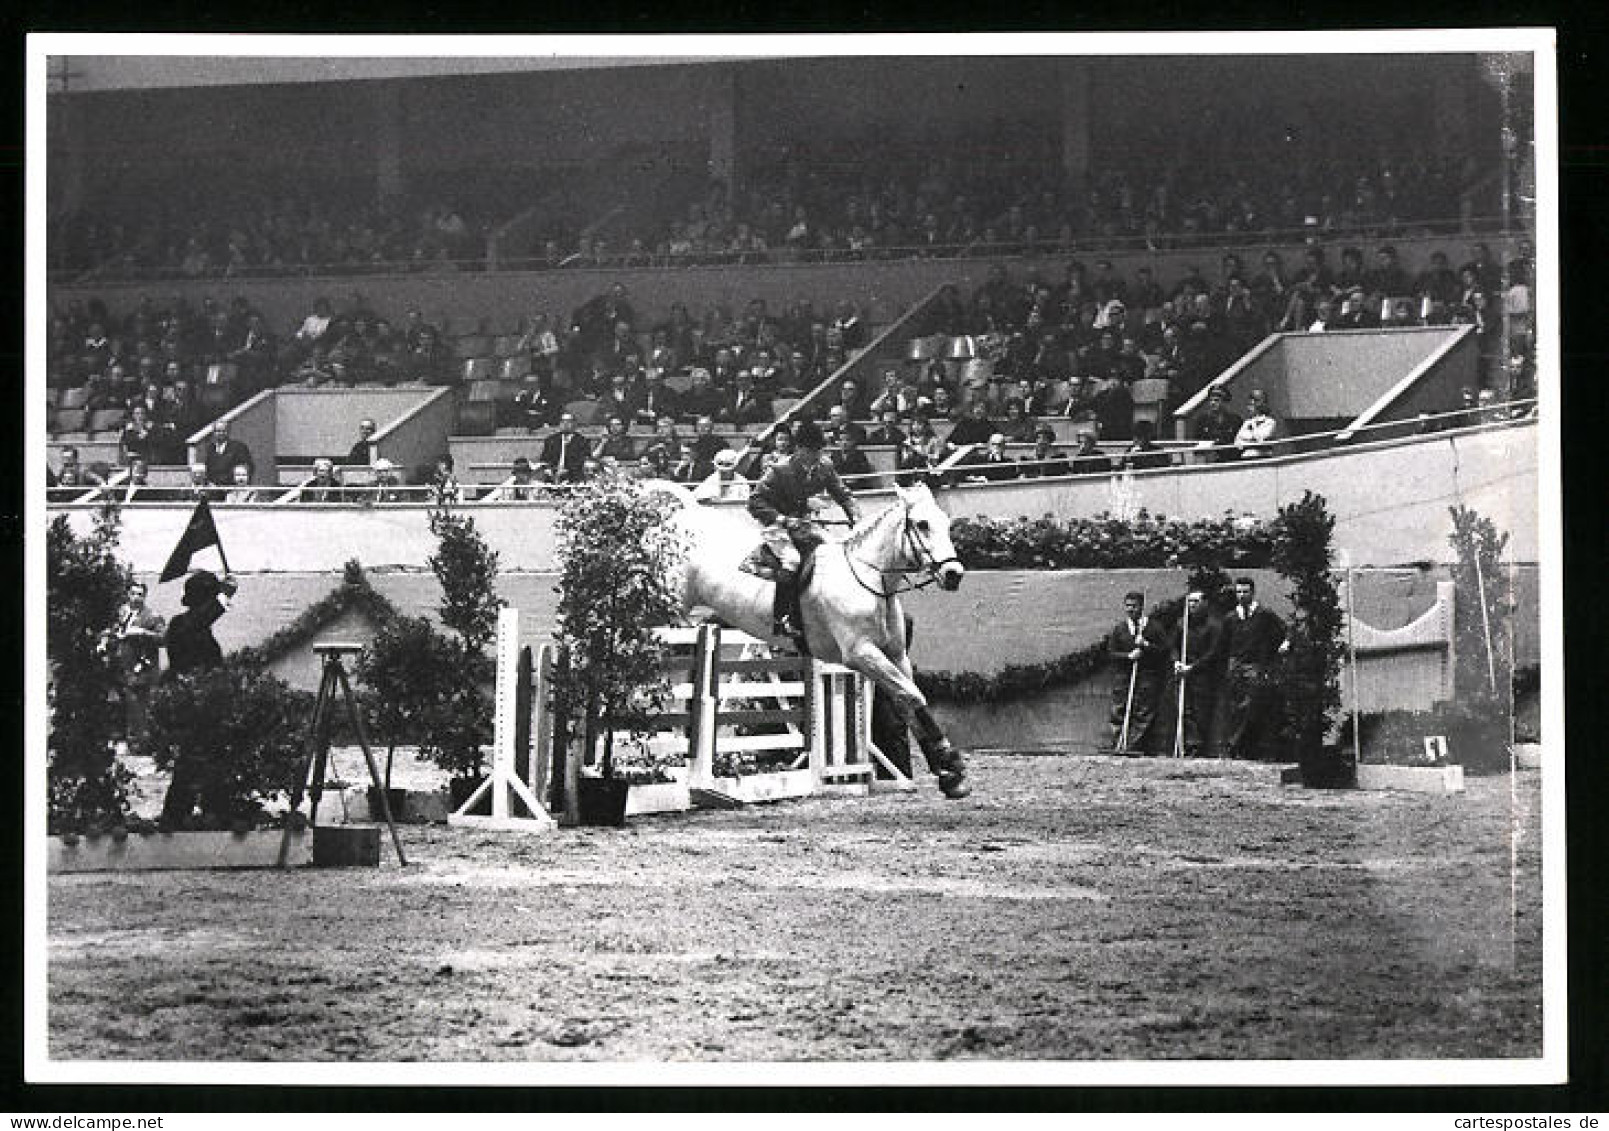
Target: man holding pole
x=1140 y=650
x=1254 y=639
x=1197 y=648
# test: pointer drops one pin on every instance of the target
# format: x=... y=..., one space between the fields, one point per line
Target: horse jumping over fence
x=850 y=609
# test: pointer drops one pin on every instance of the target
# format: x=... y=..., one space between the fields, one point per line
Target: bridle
x=912 y=545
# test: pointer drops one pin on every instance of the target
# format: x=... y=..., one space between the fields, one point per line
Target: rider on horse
x=781 y=503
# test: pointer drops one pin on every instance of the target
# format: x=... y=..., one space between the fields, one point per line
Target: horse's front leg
x=895 y=678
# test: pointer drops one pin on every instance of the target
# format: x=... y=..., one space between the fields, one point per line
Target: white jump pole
x=504 y=780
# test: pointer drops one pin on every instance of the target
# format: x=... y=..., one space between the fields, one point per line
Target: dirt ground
x=1075 y=908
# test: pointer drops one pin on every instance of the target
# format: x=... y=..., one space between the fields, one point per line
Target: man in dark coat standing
x=1197 y=655
x=193 y=649
x=1254 y=639
x=1140 y=649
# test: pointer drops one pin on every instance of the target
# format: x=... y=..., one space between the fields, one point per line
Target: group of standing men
x=1161 y=665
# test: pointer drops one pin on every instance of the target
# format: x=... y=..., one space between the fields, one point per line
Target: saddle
x=762 y=563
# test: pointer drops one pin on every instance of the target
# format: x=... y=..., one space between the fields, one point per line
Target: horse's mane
x=867 y=527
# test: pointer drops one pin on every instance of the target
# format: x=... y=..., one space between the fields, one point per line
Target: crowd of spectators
x=1077 y=346
x=298 y=234
x=1002 y=193
x=995 y=197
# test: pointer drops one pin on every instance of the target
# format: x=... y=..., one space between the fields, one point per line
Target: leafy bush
x=619 y=553
x=1108 y=542
x=467 y=568
x=241 y=730
x=86 y=586
x=1302 y=538
x=426 y=688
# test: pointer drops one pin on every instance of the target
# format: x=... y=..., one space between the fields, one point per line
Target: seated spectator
x=837 y=423
x=536 y=405
x=724 y=483
x=200 y=485
x=522 y=485
x=849 y=399
x=702 y=451
x=656 y=399
x=388 y=486
x=669 y=441
x=850 y=462
x=565 y=451
x=221 y=454
x=992 y=465
x=895 y=395
x=777 y=448
x=429 y=361
x=135 y=485
x=702 y=397
x=363 y=446
x=944 y=406
x=315 y=370
x=139 y=437
x=888 y=432
x=444 y=487
x=974 y=428
x=240 y=489
x=315 y=328
x=323 y=487
x=1216 y=426
x=1088 y=458
x=616 y=443
x=1017 y=427
x=1143 y=453
x=620 y=399
x=1080 y=400
x=747 y=405
x=1259 y=428
x=1046 y=459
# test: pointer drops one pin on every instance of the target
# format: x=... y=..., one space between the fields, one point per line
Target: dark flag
x=198 y=535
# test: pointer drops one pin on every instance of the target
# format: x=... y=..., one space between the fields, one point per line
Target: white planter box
x=151 y=852
x=1413 y=779
x=727 y=793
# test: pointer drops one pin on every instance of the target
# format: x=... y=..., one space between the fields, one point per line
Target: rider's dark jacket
x=786 y=488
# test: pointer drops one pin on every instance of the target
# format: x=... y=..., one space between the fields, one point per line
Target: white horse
x=851 y=611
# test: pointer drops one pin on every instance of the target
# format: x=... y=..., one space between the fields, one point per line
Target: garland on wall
x=1018 y=681
x=1106 y=541
x=354 y=594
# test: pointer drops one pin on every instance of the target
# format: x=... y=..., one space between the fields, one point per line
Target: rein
x=918 y=549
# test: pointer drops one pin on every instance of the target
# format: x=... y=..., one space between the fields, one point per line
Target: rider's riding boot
x=784 y=621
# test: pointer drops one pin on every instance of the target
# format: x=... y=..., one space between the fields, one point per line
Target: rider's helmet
x=807 y=434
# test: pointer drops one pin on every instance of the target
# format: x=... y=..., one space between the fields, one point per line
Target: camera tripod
x=316 y=764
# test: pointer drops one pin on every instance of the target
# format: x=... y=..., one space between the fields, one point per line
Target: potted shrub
x=618 y=557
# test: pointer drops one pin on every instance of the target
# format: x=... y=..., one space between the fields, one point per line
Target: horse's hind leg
x=942 y=758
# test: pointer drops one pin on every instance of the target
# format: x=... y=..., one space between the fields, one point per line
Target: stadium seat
x=515 y=368
x=476 y=418
x=780 y=408
x=107 y=419
x=76 y=397
x=483 y=390
x=70 y=420
x=472 y=345
x=1149 y=395
x=506 y=345
x=477 y=369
